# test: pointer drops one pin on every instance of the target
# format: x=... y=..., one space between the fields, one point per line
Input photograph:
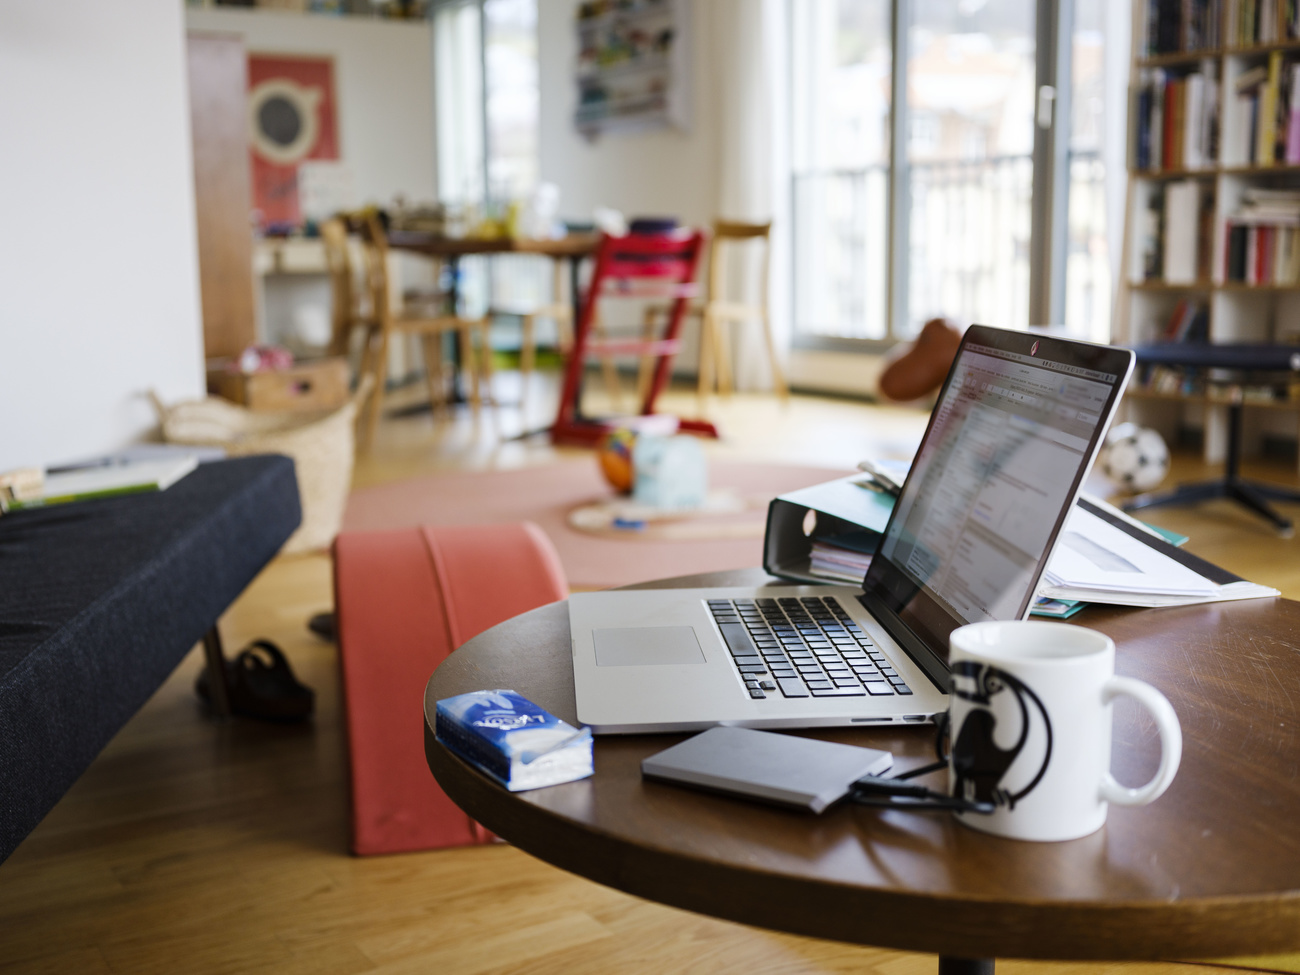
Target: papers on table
x=1094 y=554
x=1099 y=561
x=1103 y=556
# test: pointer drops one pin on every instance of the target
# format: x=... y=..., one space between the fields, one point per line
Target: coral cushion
x=404 y=600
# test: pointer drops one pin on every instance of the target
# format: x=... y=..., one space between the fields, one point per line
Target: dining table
x=572 y=247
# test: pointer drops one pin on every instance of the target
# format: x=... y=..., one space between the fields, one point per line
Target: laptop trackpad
x=637 y=646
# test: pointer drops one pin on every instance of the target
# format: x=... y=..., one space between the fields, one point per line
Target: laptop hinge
x=933 y=667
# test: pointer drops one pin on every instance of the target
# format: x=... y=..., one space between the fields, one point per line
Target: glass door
x=841 y=76
x=948 y=160
x=970 y=139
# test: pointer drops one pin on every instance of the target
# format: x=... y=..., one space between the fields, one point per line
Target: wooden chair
x=346 y=311
x=636 y=266
x=718 y=312
x=562 y=314
x=427 y=324
x=557 y=310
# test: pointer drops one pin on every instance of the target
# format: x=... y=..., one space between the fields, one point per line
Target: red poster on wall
x=291 y=119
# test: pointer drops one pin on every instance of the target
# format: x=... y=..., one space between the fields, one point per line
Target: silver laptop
x=1015 y=430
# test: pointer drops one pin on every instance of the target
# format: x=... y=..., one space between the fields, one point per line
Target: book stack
x=842 y=558
x=1175 y=230
x=1252 y=22
x=1176 y=119
x=101 y=479
x=1262 y=246
x=1265 y=130
x=1174 y=26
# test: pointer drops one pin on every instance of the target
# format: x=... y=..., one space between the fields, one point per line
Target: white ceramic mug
x=1030 y=728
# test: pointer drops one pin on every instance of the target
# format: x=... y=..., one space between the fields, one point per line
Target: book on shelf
x=1182 y=231
x=1150 y=232
x=1292 y=141
x=1270 y=105
x=1176 y=26
x=1261 y=245
x=1252 y=22
x=1265 y=129
x=1262 y=254
x=1175 y=233
x=1176 y=118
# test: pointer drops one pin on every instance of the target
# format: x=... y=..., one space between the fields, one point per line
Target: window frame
x=1049 y=216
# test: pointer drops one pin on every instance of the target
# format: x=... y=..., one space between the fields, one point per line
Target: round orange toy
x=616 y=459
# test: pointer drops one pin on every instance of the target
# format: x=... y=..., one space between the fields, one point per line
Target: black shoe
x=261 y=685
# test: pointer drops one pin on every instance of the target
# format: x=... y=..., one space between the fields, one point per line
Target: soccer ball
x=1135 y=457
x=615 y=457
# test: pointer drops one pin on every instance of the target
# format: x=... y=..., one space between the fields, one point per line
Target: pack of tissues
x=513 y=740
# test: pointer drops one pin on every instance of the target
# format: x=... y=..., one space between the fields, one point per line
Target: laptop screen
x=1010 y=440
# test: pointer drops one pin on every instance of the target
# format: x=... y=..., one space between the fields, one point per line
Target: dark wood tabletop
x=1212 y=868
x=436 y=245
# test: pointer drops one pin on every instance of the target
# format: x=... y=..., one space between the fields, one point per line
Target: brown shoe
x=919 y=367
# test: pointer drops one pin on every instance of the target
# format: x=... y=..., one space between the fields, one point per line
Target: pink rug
x=547 y=494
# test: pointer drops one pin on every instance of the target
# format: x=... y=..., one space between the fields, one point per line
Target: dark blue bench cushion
x=100 y=600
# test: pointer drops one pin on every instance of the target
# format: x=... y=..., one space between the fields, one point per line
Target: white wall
x=666 y=172
x=661 y=172
x=98 y=261
x=383 y=85
x=670 y=172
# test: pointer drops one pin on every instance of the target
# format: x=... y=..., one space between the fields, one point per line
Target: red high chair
x=655 y=266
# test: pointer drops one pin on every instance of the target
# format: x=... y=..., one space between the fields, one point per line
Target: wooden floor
x=193 y=846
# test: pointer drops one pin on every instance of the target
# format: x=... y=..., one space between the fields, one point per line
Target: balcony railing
x=968 y=254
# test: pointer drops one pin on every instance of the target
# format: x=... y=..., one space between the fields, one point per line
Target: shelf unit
x=1237 y=311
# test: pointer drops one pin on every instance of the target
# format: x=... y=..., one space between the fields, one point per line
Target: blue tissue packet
x=513 y=740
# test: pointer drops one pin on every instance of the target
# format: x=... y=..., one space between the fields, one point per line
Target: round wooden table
x=1212 y=868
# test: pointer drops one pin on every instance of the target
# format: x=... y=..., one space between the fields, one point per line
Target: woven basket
x=321 y=445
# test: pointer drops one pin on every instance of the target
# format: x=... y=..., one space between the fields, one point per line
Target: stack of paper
x=106 y=480
x=837 y=563
x=1097 y=561
x=1106 y=556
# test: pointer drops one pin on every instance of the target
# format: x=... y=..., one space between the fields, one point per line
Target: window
x=512 y=97
x=486 y=70
x=1088 y=286
x=458 y=73
x=841 y=63
x=955 y=219
x=485 y=62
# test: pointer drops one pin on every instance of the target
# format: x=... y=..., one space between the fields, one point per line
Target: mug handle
x=1171 y=741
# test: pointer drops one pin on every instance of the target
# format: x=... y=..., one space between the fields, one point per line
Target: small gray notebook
x=784 y=769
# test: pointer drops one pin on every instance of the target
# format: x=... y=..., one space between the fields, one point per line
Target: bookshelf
x=1212 y=246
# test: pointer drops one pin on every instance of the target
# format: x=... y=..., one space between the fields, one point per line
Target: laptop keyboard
x=803 y=647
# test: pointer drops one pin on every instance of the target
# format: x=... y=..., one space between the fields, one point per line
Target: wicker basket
x=321 y=445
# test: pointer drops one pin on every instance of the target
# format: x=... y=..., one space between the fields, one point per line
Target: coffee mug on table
x=1030 y=726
